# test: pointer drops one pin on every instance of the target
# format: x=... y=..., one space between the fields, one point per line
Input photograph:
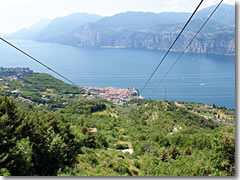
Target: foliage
x=223 y=156
x=71 y=136
x=4 y=172
x=84 y=106
x=44 y=89
x=34 y=143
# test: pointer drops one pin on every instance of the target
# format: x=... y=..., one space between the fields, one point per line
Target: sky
x=17 y=14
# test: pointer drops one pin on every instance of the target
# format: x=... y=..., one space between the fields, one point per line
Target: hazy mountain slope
x=224 y=15
x=142 y=19
x=50 y=30
x=64 y=25
x=30 y=32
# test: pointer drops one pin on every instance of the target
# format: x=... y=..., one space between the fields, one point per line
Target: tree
x=9 y=124
x=33 y=143
x=223 y=156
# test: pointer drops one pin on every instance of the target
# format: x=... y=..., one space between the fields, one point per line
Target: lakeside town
x=115 y=95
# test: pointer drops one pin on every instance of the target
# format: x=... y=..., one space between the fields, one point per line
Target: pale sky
x=17 y=14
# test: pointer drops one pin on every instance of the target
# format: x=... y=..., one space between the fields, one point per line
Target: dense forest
x=58 y=132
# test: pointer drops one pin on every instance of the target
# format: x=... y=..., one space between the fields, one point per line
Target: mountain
x=158 y=31
x=30 y=32
x=64 y=25
x=50 y=30
x=142 y=19
x=224 y=15
x=146 y=30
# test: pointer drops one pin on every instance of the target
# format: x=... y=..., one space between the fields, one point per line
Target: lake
x=195 y=78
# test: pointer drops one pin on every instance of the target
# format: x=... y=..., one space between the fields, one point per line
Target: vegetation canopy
x=52 y=128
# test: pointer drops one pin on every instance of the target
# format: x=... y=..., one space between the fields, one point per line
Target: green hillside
x=82 y=137
x=41 y=89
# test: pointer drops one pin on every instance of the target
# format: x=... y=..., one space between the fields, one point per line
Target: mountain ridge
x=146 y=30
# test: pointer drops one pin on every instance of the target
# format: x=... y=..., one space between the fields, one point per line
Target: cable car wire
x=190 y=43
x=171 y=47
x=23 y=52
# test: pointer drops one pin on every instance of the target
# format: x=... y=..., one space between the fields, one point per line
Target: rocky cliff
x=220 y=40
x=158 y=30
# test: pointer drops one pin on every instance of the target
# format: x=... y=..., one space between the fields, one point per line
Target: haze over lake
x=196 y=77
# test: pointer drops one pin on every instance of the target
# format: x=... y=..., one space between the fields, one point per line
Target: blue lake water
x=195 y=78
